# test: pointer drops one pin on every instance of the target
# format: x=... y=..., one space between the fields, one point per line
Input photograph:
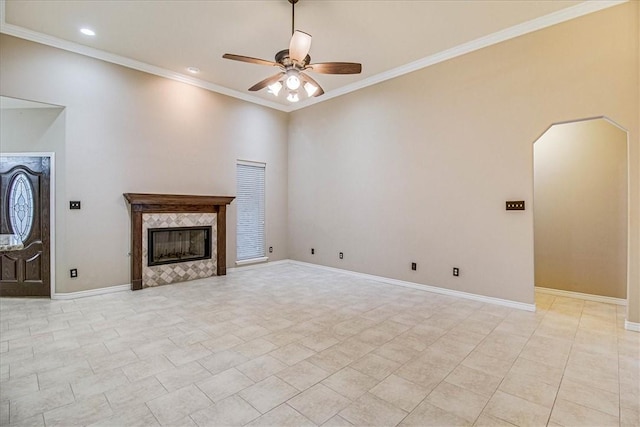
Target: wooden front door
x=24 y=211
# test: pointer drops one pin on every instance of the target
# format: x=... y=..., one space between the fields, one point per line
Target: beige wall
x=127 y=131
x=580 y=217
x=418 y=168
x=413 y=169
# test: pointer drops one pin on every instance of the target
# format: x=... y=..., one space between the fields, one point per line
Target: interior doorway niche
x=581 y=209
x=32 y=128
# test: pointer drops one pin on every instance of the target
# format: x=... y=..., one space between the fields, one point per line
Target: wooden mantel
x=175 y=203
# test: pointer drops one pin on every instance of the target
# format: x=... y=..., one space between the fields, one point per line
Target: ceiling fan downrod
x=293 y=15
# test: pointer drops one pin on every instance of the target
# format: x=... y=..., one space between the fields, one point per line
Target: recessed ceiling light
x=193 y=70
x=87 y=32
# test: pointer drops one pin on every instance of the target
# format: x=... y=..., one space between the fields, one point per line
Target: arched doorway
x=580 y=209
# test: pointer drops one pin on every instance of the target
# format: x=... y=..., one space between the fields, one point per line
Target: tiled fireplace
x=176 y=271
x=190 y=222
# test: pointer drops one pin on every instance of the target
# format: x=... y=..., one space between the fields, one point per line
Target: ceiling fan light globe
x=310 y=88
x=293 y=97
x=274 y=89
x=293 y=82
x=299 y=46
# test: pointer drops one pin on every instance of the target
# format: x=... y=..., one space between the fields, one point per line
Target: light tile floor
x=295 y=345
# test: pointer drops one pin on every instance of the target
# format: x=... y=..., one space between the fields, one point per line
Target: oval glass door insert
x=21 y=206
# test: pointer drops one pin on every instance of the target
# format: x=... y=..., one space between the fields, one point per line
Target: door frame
x=52 y=210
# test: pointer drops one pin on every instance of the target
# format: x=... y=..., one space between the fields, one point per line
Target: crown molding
x=44 y=39
x=567 y=14
x=558 y=17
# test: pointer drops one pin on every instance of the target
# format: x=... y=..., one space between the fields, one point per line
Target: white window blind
x=250 y=204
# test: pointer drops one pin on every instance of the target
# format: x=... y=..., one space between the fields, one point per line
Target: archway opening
x=580 y=209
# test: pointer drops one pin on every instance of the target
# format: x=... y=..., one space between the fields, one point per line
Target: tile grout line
x=510 y=367
x=503 y=378
x=565 y=363
x=444 y=379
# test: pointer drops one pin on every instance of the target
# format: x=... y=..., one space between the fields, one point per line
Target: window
x=250 y=205
x=21 y=206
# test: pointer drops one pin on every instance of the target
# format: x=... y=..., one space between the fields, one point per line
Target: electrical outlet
x=313 y=251
x=73 y=273
x=515 y=205
x=456 y=271
x=74 y=204
x=414 y=266
x=270 y=249
x=341 y=255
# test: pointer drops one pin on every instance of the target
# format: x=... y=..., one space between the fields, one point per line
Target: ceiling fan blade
x=308 y=78
x=266 y=82
x=299 y=46
x=336 y=68
x=248 y=59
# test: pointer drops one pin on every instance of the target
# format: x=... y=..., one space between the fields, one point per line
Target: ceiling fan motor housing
x=283 y=58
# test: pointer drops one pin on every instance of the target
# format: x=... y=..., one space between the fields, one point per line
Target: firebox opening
x=178 y=244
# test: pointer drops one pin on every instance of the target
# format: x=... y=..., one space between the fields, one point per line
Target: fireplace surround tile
x=170 y=273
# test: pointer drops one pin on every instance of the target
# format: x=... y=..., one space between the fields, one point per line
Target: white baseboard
x=92 y=292
x=127 y=287
x=434 y=289
x=252 y=261
x=578 y=295
x=632 y=326
x=258 y=265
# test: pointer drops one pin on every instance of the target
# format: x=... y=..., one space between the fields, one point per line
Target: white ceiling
x=389 y=38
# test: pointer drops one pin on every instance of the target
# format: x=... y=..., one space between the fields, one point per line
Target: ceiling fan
x=293 y=63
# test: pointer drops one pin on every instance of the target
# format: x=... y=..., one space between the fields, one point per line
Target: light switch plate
x=515 y=205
